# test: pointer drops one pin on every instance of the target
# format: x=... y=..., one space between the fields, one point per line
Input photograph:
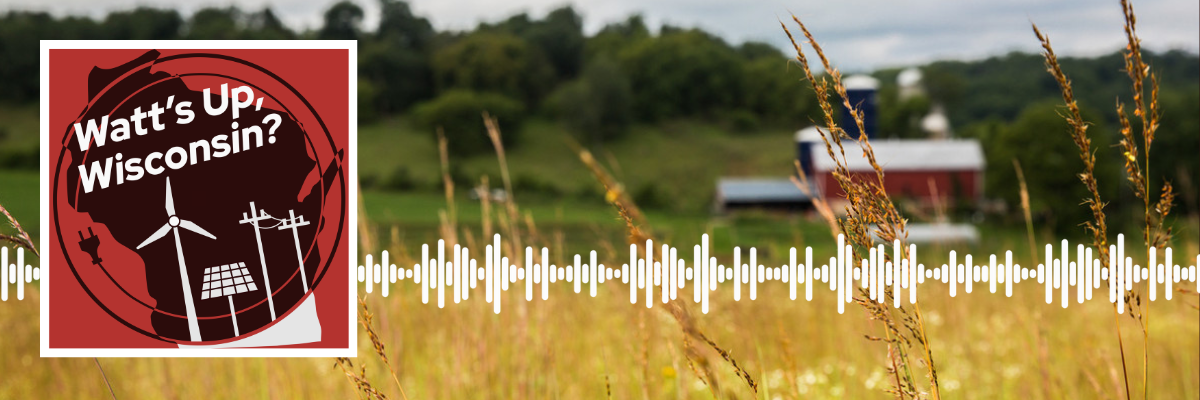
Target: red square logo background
x=321 y=76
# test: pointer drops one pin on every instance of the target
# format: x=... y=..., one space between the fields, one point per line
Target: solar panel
x=227 y=280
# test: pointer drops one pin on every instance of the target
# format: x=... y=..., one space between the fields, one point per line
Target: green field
x=19 y=126
x=698 y=154
x=574 y=346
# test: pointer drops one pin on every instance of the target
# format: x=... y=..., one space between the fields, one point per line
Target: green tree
x=752 y=51
x=615 y=38
x=401 y=76
x=597 y=106
x=232 y=23
x=683 y=73
x=901 y=118
x=396 y=61
x=399 y=27
x=777 y=92
x=19 y=48
x=1041 y=140
x=560 y=38
x=343 y=21
x=493 y=62
x=20 y=32
x=214 y=24
x=368 y=94
x=459 y=114
x=265 y=25
x=143 y=23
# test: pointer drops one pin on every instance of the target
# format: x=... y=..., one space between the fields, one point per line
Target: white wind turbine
x=173 y=225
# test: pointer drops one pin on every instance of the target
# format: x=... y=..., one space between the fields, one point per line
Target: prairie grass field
x=986 y=347
x=574 y=346
x=649 y=170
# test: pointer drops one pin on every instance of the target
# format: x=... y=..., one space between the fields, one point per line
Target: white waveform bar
x=1071 y=275
x=19 y=273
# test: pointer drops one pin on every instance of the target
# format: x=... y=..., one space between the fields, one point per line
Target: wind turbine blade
x=157 y=235
x=185 y=224
x=170 y=200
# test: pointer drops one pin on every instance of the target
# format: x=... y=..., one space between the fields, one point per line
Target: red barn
x=918 y=170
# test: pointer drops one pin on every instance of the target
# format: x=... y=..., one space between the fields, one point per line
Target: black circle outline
x=311 y=146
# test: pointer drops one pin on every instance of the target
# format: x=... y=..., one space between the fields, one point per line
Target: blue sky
x=858 y=34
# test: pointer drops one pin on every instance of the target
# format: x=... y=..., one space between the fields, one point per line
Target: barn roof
x=908 y=155
x=756 y=190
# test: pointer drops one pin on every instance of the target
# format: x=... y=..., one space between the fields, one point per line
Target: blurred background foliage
x=627 y=82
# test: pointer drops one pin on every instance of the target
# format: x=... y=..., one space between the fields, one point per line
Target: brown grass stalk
x=366 y=319
x=869 y=205
x=1133 y=167
x=359 y=379
x=21 y=238
x=1138 y=72
x=785 y=344
x=510 y=203
x=939 y=203
x=450 y=227
x=105 y=378
x=706 y=376
x=614 y=191
x=822 y=206
x=644 y=354
x=510 y=222
x=1098 y=226
x=615 y=195
x=1154 y=234
x=725 y=354
x=365 y=238
x=1028 y=214
x=397 y=247
x=485 y=208
x=628 y=211
x=1136 y=165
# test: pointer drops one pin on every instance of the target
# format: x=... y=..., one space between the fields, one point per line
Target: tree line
x=598 y=85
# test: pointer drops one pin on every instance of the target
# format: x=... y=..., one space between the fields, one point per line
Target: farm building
x=937 y=170
x=949 y=170
x=761 y=193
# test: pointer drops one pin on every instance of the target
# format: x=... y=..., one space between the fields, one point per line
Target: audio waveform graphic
x=1073 y=276
x=18 y=273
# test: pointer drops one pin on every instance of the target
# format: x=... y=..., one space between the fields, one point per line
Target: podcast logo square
x=197 y=198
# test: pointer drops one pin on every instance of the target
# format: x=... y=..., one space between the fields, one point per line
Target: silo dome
x=936 y=124
x=861 y=82
x=909 y=78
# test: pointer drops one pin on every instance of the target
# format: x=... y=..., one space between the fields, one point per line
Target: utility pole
x=255 y=216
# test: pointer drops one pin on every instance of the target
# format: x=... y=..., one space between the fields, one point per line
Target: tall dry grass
x=1155 y=232
x=869 y=206
x=366 y=319
x=678 y=309
x=1024 y=194
x=21 y=239
x=904 y=331
x=1098 y=225
x=550 y=349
